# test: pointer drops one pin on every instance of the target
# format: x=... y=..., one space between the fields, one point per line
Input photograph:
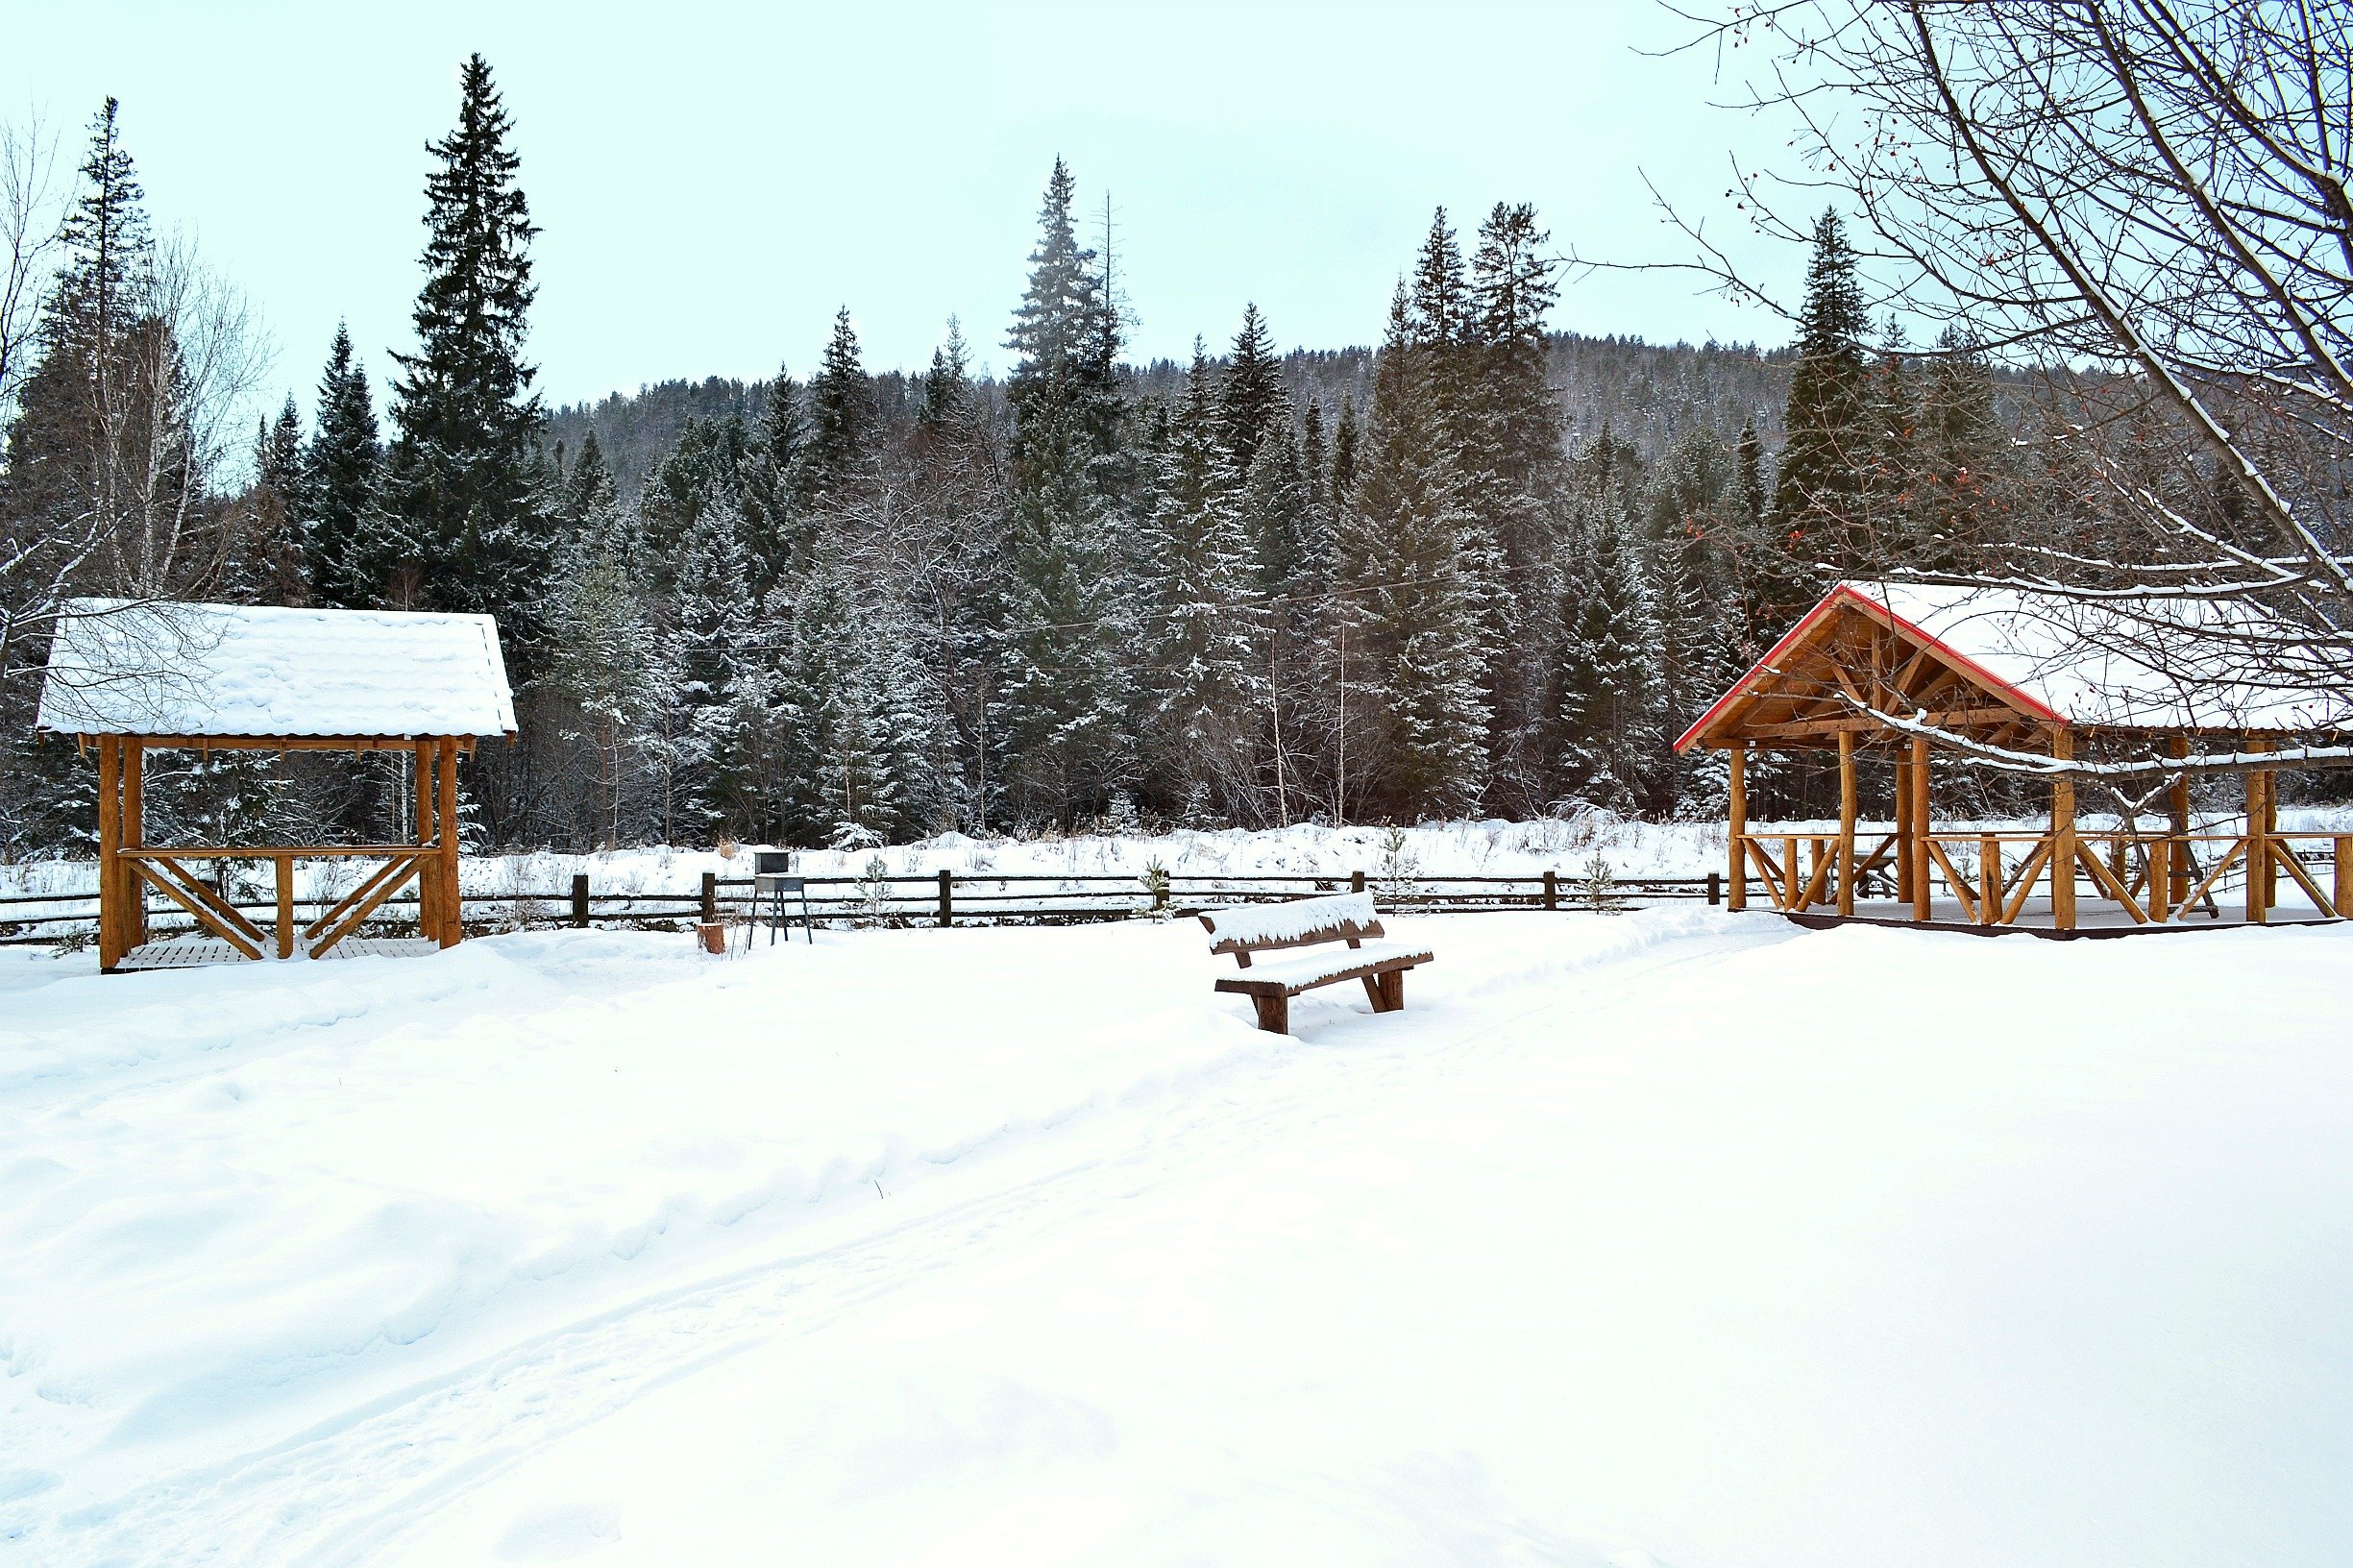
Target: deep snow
x=1679 y=1237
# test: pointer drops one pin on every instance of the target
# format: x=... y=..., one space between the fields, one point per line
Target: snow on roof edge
x=232 y=672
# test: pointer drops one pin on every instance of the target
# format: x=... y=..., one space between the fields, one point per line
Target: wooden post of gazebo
x=429 y=903
x=453 y=929
x=1846 y=821
x=1916 y=849
x=2063 y=834
x=128 y=677
x=1736 y=881
x=2258 y=829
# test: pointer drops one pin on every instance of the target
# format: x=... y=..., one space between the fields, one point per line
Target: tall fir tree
x=1607 y=701
x=1063 y=674
x=1828 y=445
x=1409 y=596
x=841 y=417
x=460 y=524
x=346 y=452
x=1965 y=472
x=1203 y=664
x=779 y=527
x=1251 y=398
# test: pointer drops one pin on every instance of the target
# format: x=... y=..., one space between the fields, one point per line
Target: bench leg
x=1274 y=1014
x=1372 y=989
x=1393 y=990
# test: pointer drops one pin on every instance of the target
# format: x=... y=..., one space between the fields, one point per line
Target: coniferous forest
x=1478 y=567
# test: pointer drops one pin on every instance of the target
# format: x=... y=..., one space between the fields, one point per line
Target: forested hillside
x=1647 y=393
x=1480 y=567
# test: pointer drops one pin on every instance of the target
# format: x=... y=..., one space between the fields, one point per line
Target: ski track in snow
x=351 y=1485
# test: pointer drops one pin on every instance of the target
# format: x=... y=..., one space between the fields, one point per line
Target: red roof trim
x=1845 y=593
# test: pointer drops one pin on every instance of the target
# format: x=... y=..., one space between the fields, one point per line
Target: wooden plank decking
x=195 y=953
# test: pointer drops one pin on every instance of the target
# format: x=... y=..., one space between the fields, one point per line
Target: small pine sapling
x=1155 y=879
x=1398 y=867
x=1597 y=887
x=873 y=891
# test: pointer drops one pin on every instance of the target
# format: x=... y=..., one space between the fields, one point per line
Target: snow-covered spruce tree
x=1202 y=670
x=602 y=665
x=773 y=476
x=458 y=524
x=1966 y=477
x=709 y=625
x=1063 y=676
x=1252 y=400
x=1829 y=443
x=345 y=454
x=1406 y=570
x=841 y=420
x=1607 y=697
x=959 y=592
x=1064 y=681
x=1512 y=457
x=705 y=469
x=262 y=557
x=1691 y=536
x=1887 y=529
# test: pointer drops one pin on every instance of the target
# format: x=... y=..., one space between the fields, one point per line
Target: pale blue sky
x=714 y=180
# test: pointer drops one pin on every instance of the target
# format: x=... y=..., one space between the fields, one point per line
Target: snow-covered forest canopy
x=1479 y=568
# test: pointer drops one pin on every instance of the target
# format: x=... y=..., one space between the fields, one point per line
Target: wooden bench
x=1309 y=923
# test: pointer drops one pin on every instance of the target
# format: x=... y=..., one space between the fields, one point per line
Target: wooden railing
x=2155 y=877
x=932 y=898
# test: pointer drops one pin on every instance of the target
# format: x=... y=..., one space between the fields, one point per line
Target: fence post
x=710 y=896
x=1552 y=889
x=1715 y=887
x=1356 y=881
x=579 y=899
x=947 y=897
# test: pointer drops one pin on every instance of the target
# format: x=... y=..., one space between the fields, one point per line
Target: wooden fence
x=942 y=899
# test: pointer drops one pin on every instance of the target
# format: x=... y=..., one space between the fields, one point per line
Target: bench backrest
x=1302 y=923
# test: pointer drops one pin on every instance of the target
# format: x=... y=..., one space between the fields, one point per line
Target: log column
x=112 y=928
x=2258 y=838
x=1736 y=881
x=429 y=903
x=2063 y=835
x=1846 y=821
x=1917 y=849
x=2177 y=814
x=135 y=837
x=453 y=916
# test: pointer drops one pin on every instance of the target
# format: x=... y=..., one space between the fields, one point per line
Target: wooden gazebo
x=129 y=678
x=1898 y=675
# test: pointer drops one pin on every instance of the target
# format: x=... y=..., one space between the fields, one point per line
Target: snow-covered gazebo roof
x=227 y=673
x=1991 y=663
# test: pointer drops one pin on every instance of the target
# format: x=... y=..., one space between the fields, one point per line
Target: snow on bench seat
x=1305 y=972
x=1342 y=928
x=1250 y=926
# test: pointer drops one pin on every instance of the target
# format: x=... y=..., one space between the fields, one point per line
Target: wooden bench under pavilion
x=129 y=678
x=1899 y=674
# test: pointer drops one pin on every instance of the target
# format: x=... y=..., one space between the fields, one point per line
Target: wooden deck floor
x=195 y=953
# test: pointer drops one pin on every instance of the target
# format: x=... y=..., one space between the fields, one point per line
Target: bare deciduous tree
x=2145 y=203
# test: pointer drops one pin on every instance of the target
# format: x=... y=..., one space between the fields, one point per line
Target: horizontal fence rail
x=994 y=897
x=933 y=898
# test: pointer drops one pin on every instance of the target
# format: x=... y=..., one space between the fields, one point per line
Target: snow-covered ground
x=1681 y=1238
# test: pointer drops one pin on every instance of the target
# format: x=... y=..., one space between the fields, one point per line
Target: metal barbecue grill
x=774 y=887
